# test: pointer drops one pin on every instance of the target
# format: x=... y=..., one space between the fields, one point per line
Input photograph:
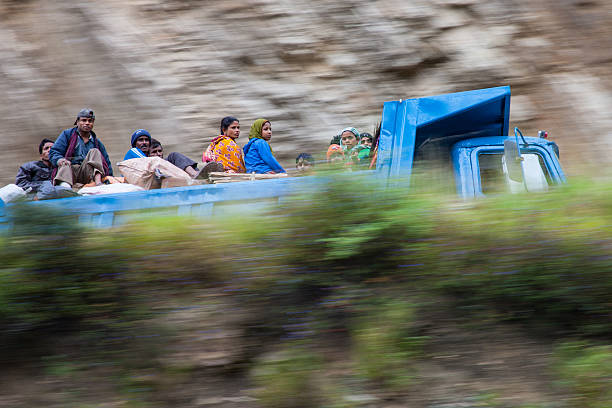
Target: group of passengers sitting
x=78 y=157
x=353 y=148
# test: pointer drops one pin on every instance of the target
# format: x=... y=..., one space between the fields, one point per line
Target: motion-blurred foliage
x=285 y=374
x=385 y=344
x=54 y=274
x=585 y=371
x=348 y=260
x=542 y=259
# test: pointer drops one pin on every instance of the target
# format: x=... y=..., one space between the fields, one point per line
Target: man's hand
x=63 y=162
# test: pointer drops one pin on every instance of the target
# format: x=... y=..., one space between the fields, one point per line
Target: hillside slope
x=176 y=67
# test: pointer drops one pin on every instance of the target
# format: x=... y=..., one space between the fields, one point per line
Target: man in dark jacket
x=32 y=174
x=78 y=155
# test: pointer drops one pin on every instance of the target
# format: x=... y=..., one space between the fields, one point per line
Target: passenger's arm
x=263 y=148
x=58 y=150
x=27 y=174
x=24 y=177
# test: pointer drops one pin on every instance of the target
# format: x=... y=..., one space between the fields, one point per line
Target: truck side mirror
x=513 y=160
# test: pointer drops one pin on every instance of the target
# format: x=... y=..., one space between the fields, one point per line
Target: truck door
x=491 y=174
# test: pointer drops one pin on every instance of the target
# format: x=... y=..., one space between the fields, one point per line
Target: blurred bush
x=55 y=275
x=287 y=378
x=328 y=248
x=585 y=372
x=348 y=263
x=385 y=344
x=542 y=259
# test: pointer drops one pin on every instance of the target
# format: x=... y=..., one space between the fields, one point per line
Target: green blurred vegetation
x=585 y=370
x=288 y=373
x=350 y=264
x=54 y=274
x=540 y=259
x=385 y=344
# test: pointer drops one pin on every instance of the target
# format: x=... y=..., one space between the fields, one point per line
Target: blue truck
x=465 y=133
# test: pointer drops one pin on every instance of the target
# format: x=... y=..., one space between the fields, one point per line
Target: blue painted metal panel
x=385 y=142
x=173 y=197
x=203 y=200
x=404 y=141
x=408 y=124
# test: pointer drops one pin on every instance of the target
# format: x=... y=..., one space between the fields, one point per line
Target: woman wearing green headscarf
x=258 y=155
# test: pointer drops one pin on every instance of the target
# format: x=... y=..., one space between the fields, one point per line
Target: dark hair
x=226 y=121
x=42 y=144
x=367 y=136
x=307 y=157
x=375 y=140
x=155 y=143
x=335 y=140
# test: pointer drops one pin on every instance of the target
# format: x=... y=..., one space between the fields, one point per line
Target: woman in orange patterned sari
x=224 y=149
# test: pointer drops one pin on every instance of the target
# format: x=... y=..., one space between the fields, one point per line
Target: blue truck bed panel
x=114 y=209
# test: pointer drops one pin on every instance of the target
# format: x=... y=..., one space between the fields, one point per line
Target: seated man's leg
x=190 y=167
x=149 y=172
x=91 y=168
x=65 y=174
x=181 y=161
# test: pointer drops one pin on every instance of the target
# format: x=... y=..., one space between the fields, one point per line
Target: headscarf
x=349 y=129
x=334 y=150
x=255 y=132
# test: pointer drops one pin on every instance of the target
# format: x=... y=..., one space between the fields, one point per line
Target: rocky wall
x=176 y=67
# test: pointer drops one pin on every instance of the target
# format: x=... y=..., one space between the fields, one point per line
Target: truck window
x=492 y=179
x=493 y=175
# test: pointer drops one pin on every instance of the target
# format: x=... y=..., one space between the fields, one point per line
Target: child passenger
x=335 y=154
x=224 y=149
x=366 y=140
x=258 y=155
x=354 y=151
x=304 y=162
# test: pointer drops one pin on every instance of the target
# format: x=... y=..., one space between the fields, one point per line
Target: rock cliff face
x=176 y=67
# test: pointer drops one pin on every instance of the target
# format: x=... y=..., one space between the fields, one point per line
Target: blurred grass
x=351 y=262
x=286 y=374
x=385 y=344
x=585 y=370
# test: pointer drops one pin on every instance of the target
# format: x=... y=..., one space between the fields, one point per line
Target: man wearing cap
x=141 y=141
x=78 y=155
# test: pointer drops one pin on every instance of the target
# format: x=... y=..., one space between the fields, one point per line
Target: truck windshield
x=493 y=177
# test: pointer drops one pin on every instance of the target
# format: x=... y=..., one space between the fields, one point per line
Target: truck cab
x=466 y=134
